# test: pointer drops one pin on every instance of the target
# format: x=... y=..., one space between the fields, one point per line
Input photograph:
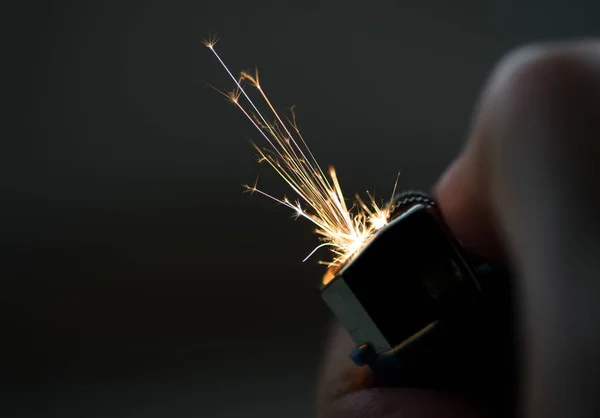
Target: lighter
x=425 y=313
x=421 y=310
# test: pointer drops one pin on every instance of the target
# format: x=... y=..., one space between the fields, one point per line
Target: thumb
x=525 y=186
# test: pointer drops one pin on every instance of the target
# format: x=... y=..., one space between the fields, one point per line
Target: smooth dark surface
x=472 y=350
x=389 y=276
x=133 y=270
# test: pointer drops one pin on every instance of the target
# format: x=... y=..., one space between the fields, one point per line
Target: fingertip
x=338 y=374
x=463 y=199
x=402 y=403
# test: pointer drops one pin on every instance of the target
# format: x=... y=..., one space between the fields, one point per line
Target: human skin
x=523 y=191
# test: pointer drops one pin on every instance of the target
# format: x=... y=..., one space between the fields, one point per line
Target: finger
x=528 y=182
x=348 y=391
x=463 y=197
x=401 y=403
x=339 y=375
x=545 y=172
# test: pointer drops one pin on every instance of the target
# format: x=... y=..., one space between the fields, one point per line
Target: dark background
x=136 y=278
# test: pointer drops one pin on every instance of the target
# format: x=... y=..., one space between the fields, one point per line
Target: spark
x=210 y=41
x=344 y=229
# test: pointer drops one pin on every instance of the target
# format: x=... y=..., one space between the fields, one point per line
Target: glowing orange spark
x=344 y=230
x=210 y=41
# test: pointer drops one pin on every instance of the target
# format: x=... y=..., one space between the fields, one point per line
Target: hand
x=524 y=190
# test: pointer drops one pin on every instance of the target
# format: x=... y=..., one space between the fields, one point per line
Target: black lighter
x=424 y=313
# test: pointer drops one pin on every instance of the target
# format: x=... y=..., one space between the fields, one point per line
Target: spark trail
x=344 y=230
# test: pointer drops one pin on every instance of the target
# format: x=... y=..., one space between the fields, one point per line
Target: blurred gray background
x=136 y=277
